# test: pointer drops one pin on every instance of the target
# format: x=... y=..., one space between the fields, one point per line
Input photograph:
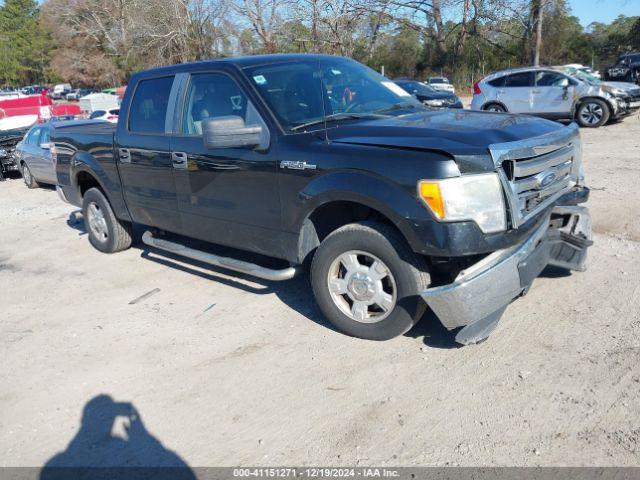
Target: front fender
x=399 y=204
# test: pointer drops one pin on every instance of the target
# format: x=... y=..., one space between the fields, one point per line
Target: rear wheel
x=106 y=232
x=28 y=177
x=494 y=107
x=367 y=281
x=593 y=113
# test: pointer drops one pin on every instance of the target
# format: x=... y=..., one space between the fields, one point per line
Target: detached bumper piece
x=480 y=294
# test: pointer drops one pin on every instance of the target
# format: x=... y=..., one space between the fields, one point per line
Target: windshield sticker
x=396 y=89
x=259 y=79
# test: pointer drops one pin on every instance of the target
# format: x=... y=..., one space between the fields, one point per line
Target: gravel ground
x=223 y=370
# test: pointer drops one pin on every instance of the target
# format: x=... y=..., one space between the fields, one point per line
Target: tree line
x=101 y=42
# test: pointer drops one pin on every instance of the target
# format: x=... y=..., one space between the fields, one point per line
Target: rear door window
x=214 y=95
x=44 y=136
x=497 y=82
x=149 y=105
x=522 y=79
x=551 y=79
x=34 y=135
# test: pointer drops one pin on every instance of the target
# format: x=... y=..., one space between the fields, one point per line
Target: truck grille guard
x=536 y=172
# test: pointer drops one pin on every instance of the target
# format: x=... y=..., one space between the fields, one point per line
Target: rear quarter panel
x=88 y=147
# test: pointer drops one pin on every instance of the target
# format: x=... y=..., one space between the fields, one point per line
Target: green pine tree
x=24 y=44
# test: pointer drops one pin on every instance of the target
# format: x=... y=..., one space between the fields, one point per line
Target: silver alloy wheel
x=591 y=113
x=495 y=108
x=97 y=222
x=362 y=286
x=26 y=174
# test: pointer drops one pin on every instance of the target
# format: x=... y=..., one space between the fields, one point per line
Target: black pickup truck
x=320 y=161
x=626 y=69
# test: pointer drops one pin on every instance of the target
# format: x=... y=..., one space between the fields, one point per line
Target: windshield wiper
x=334 y=117
x=396 y=106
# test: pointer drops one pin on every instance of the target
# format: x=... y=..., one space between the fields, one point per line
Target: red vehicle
x=21 y=112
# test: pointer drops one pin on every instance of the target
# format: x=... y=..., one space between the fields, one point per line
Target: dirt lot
x=224 y=370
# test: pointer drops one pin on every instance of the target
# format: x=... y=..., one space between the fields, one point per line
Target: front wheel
x=592 y=113
x=106 y=232
x=367 y=281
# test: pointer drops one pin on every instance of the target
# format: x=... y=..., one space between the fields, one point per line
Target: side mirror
x=230 y=132
x=45 y=146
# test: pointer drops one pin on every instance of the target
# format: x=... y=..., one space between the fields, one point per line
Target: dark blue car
x=429 y=96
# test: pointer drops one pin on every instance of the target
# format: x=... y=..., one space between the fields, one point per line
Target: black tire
x=494 y=107
x=408 y=270
x=28 y=177
x=117 y=234
x=593 y=113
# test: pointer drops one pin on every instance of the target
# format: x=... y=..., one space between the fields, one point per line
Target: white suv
x=441 y=83
x=547 y=93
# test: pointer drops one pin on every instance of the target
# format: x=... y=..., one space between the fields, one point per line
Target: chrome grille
x=536 y=172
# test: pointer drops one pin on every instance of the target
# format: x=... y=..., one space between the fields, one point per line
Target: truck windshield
x=306 y=93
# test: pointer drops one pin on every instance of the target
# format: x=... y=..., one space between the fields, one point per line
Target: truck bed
x=93 y=141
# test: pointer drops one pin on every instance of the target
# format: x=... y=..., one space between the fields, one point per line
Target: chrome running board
x=218 y=261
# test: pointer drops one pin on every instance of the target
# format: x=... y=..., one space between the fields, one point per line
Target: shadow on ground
x=111 y=437
x=295 y=293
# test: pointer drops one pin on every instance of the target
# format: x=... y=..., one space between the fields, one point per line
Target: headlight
x=469 y=197
x=617 y=91
x=434 y=103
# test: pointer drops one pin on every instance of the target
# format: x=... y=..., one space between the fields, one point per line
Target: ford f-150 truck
x=319 y=161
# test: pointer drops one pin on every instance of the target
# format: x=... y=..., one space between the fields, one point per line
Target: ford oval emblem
x=547 y=180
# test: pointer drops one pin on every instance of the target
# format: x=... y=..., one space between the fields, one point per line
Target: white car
x=582 y=68
x=108 y=115
x=441 y=83
x=549 y=93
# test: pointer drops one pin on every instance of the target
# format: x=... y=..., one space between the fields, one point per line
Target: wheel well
x=86 y=181
x=495 y=102
x=331 y=216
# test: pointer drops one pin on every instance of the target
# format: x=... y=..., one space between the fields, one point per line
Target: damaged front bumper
x=481 y=293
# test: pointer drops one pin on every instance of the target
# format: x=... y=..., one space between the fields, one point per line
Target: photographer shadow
x=97 y=452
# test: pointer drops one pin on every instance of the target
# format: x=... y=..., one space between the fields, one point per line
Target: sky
x=605 y=11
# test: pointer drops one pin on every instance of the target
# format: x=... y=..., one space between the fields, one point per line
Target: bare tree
x=265 y=17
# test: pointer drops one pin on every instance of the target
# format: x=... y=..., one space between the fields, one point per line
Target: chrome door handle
x=179 y=159
x=124 y=155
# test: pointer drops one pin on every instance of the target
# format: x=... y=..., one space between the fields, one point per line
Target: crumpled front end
x=542 y=178
x=480 y=294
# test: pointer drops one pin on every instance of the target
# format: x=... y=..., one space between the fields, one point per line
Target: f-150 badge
x=297 y=165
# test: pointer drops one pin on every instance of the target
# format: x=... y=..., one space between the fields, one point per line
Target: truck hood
x=457 y=133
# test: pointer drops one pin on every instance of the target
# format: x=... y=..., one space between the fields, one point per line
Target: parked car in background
x=428 y=95
x=8 y=141
x=626 y=69
x=32 y=90
x=108 y=115
x=629 y=92
x=78 y=93
x=60 y=91
x=581 y=68
x=33 y=157
x=548 y=93
x=441 y=83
